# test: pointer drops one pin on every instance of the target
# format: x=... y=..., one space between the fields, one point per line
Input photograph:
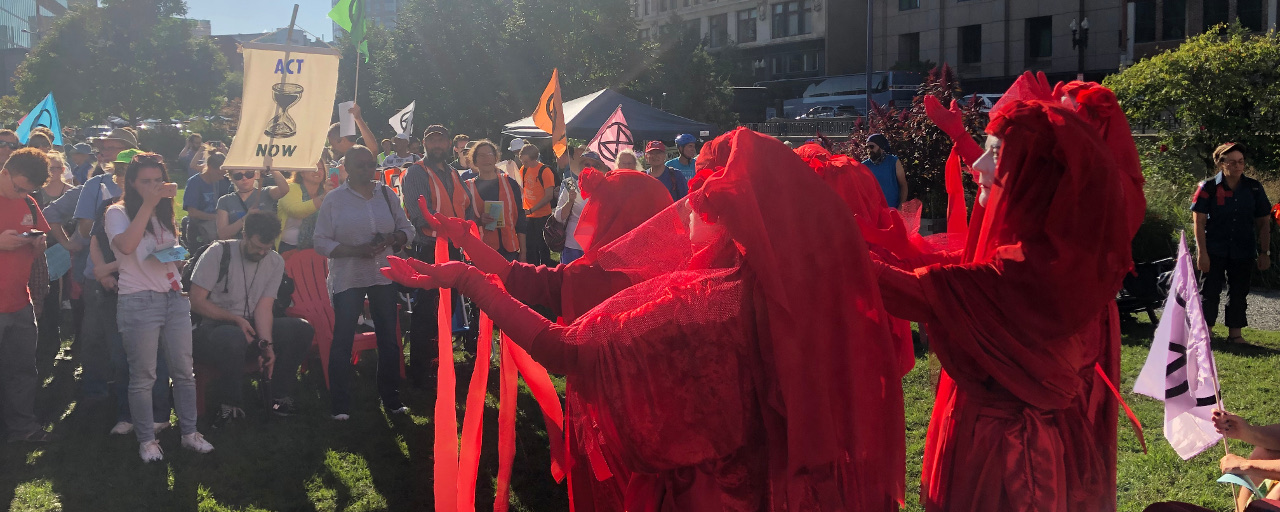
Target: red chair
x=311 y=303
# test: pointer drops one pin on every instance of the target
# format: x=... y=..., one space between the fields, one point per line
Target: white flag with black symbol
x=402 y=122
x=1180 y=370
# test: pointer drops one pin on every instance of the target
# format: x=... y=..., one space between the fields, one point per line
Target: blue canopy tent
x=585 y=115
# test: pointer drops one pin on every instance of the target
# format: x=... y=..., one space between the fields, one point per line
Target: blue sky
x=245 y=16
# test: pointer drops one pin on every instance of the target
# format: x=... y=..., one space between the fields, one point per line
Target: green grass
x=373 y=462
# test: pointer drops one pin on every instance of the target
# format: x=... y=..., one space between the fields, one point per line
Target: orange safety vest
x=455 y=206
x=392 y=176
x=505 y=237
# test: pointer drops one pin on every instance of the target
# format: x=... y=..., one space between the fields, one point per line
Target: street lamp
x=1079 y=41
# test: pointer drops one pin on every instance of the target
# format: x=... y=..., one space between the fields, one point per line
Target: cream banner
x=287 y=107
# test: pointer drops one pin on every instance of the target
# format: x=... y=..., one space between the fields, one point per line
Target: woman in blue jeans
x=361 y=223
x=151 y=308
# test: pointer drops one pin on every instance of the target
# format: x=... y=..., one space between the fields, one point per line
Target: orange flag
x=549 y=116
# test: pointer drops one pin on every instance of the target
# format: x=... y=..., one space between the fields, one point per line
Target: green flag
x=349 y=14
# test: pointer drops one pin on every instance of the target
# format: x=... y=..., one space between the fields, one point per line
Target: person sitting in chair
x=233 y=289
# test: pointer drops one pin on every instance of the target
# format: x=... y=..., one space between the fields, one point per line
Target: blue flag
x=45 y=114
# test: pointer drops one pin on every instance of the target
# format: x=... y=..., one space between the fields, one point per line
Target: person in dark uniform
x=1233 y=236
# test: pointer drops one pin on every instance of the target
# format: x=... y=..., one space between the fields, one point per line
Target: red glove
x=403 y=273
x=520 y=323
x=460 y=233
x=952 y=122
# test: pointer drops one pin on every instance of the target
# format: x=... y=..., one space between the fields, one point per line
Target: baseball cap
x=685 y=138
x=436 y=128
x=655 y=145
x=127 y=155
x=82 y=149
x=591 y=154
x=516 y=144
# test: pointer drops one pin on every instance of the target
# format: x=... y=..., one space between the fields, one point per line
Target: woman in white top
x=152 y=309
x=571 y=203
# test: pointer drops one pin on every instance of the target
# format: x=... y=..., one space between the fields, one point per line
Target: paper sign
x=345 y=118
x=1231 y=478
x=494 y=210
x=59 y=260
x=172 y=254
x=286 y=107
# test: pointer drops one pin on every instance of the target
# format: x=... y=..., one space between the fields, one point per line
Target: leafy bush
x=1223 y=85
x=168 y=142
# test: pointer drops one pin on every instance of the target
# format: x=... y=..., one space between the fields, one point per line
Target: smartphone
x=34 y=233
x=169 y=190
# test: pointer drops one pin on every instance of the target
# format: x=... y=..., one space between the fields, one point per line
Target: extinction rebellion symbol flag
x=1180 y=370
x=612 y=138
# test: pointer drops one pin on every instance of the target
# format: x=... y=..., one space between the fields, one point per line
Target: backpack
x=284 y=294
x=555 y=181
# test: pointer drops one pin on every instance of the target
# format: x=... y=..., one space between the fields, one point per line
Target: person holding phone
x=359 y=224
x=22 y=240
x=508 y=236
x=152 y=308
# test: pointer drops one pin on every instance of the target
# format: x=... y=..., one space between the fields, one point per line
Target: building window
x=646 y=7
x=971 y=44
x=643 y=34
x=792 y=18
x=1250 y=14
x=686 y=3
x=693 y=29
x=795 y=64
x=662 y=5
x=909 y=48
x=1144 y=21
x=1039 y=37
x=718 y=30
x=1174 y=22
x=747 y=26
x=906 y=5
x=1215 y=12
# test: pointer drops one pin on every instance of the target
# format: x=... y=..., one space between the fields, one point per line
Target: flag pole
x=356 y=95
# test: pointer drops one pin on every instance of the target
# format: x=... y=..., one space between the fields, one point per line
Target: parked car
x=985 y=101
x=846 y=111
x=818 y=112
x=94 y=132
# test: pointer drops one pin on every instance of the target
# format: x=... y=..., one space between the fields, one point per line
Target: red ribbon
x=473 y=420
x=1133 y=418
x=506 y=426
x=446 y=431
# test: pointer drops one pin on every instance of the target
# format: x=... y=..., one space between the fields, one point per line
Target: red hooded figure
x=1022 y=419
x=616 y=203
x=749 y=367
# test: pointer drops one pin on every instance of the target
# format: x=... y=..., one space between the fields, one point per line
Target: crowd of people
x=719 y=346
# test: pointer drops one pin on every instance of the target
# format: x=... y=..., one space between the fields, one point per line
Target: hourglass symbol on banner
x=283 y=126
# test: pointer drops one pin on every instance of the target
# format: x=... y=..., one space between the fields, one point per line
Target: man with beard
x=233 y=289
x=434 y=179
x=887 y=169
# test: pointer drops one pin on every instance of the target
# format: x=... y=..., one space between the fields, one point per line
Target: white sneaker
x=341 y=417
x=150 y=451
x=122 y=428
x=161 y=425
x=196 y=443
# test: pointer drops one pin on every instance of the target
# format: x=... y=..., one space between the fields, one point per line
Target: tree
x=1223 y=85
x=132 y=58
x=477 y=65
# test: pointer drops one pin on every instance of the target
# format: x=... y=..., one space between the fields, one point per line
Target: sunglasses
x=237 y=176
x=149 y=158
x=11 y=145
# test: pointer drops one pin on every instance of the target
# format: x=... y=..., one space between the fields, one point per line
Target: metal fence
x=805 y=127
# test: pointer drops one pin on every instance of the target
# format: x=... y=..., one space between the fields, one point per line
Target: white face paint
x=986 y=167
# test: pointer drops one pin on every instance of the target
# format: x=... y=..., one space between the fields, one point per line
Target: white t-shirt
x=140 y=271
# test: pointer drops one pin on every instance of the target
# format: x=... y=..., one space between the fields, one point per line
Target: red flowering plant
x=921 y=146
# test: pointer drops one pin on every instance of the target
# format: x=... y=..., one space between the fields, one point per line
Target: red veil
x=1020 y=327
x=828 y=397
